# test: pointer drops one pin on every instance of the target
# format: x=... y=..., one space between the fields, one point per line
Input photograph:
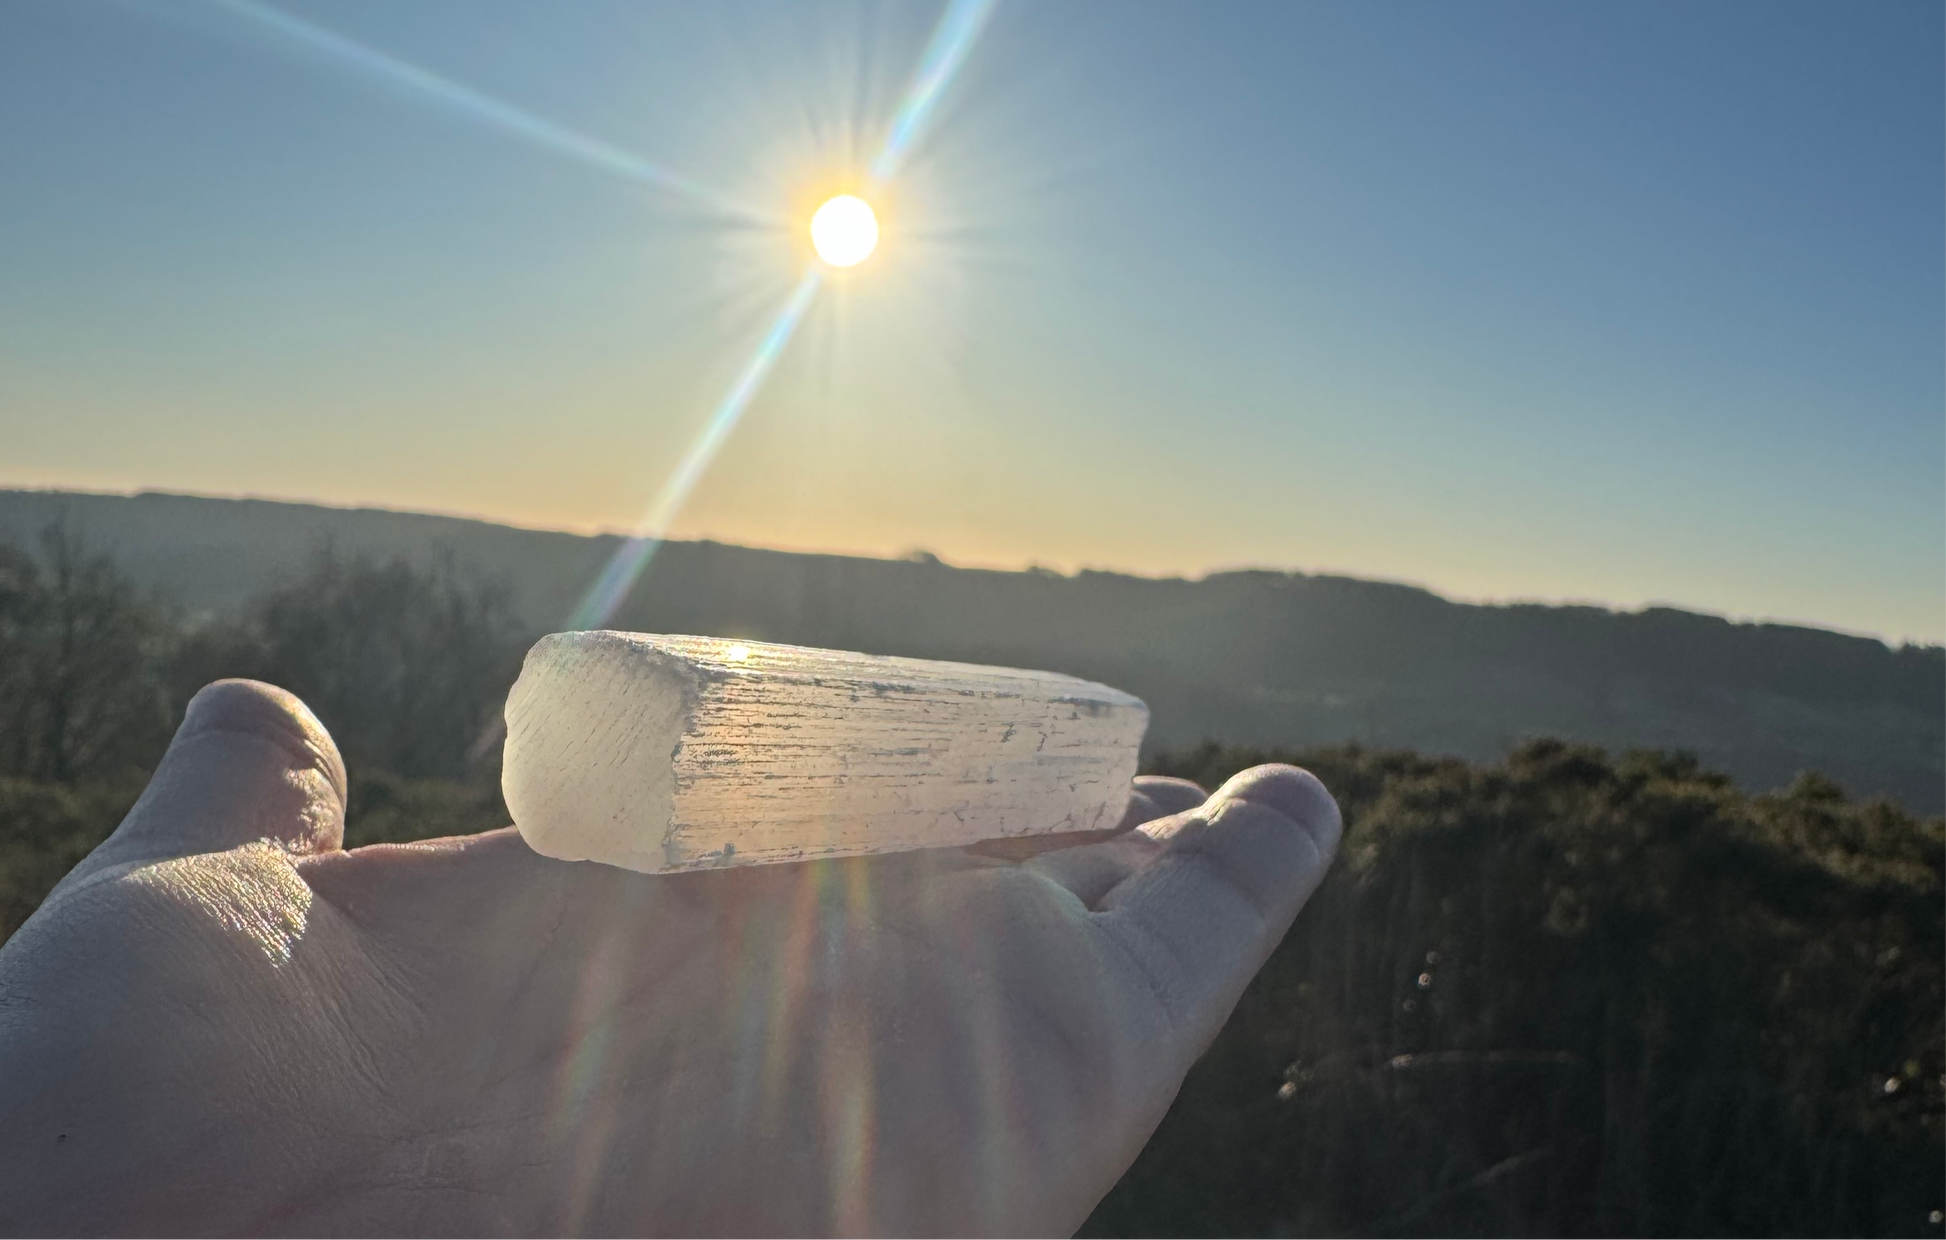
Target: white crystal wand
x=664 y=753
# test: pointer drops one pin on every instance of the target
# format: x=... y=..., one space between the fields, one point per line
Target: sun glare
x=844 y=231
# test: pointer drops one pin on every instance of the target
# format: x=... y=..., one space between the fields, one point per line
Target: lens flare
x=853 y=235
x=482 y=107
x=952 y=40
x=844 y=231
x=959 y=27
x=626 y=565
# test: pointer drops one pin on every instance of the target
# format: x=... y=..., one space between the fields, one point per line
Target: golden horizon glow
x=844 y=231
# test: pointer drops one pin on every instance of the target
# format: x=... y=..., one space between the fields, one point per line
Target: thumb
x=250 y=762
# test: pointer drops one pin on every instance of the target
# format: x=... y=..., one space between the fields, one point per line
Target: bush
x=1564 y=995
x=387 y=809
x=406 y=665
x=81 y=657
x=45 y=829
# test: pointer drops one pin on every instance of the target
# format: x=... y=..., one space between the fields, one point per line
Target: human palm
x=223 y=1022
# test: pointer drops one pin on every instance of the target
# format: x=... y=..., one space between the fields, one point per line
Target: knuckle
x=1293 y=792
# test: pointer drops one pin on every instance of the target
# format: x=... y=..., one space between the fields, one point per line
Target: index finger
x=1204 y=913
x=1153 y=797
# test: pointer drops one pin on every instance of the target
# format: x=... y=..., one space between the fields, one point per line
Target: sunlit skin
x=224 y=1022
x=844 y=231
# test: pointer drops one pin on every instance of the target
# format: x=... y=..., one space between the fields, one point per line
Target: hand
x=223 y=1022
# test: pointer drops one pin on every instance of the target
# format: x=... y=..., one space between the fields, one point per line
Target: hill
x=1246 y=658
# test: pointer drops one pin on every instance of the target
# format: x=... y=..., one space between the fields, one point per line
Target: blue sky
x=1624 y=303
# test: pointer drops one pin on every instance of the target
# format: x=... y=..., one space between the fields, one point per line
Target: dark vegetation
x=1558 y=993
x=406 y=665
x=1566 y=995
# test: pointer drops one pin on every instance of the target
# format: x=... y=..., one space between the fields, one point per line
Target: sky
x=1617 y=303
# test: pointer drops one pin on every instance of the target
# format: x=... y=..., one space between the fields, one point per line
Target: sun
x=844 y=231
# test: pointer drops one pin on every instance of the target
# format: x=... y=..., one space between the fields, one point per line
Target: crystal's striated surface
x=672 y=753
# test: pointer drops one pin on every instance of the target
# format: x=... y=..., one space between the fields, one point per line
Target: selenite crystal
x=664 y=753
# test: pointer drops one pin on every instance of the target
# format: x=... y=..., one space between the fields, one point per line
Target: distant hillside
x=1253 y=658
